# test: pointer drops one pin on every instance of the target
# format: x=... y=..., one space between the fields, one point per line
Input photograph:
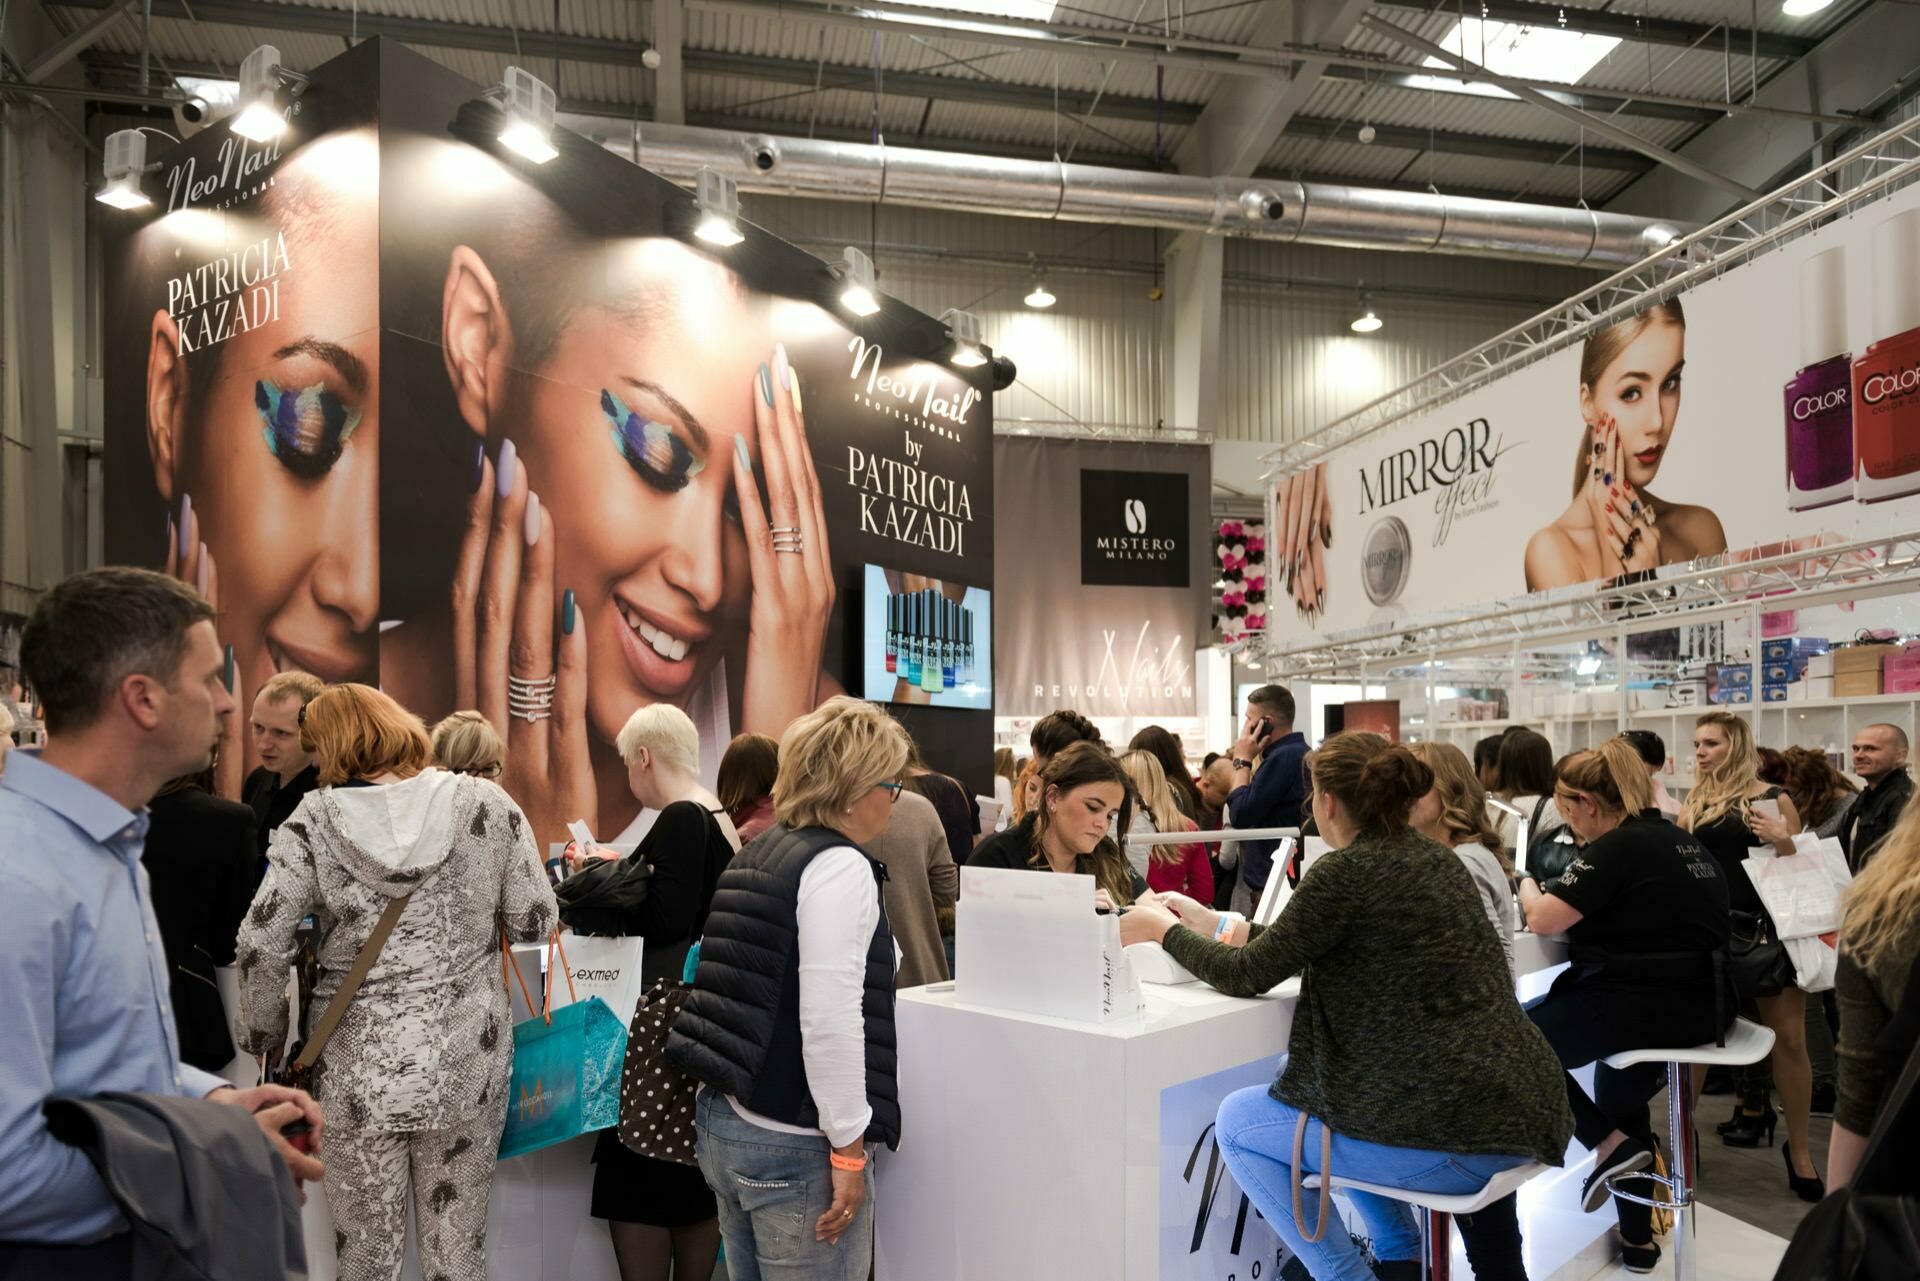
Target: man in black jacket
x=1880 y=757
x=287 y=772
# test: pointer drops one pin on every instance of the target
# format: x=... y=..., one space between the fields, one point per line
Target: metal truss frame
x=1862 y=174
x=1675 y=595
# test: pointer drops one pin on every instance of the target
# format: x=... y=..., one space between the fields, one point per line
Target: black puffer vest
x=740 y=1030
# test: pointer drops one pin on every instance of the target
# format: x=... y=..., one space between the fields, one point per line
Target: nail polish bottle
x=936 y=640
x=1886 y=378
x=914 y=652
x=1819 y=399
x=893 y=632
x=966 y=646
x=950 y=657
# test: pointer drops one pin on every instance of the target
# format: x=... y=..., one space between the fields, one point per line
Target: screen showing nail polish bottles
x=1886 y=378
x=1819 y=398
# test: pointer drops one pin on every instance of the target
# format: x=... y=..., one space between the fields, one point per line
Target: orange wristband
x=851 y=1164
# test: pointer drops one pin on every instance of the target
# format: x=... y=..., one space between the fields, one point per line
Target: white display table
x=1037 y=1147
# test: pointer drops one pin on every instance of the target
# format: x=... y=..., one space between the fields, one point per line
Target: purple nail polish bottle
x=1819 y=404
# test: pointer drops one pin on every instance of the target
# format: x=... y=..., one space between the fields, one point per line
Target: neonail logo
x=1881 y=386
x=1807 y=406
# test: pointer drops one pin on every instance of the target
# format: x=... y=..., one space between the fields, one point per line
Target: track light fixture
x=125 y=161
x=528 y=103
x=719 y=203
x=261 y=114
x=968 y=344
x=860 y=294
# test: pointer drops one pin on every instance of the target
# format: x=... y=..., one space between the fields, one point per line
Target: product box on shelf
x=1731 y=695
x=1781 y=673
x=1776 y=693
x=1817 y=686
x=1901 y=659
x=1855 y=683
x=1905 y=680
x=1733 y=673
x=1686 y=693
x=1788 y=648
x=1819 y=665
x=1859 y=658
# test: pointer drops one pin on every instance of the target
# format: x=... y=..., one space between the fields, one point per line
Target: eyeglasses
x=302 y=719
x=485 y=771
x=892 y=790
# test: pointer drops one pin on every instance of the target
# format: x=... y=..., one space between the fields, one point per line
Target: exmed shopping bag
x=608 y=968
x=566 y=1068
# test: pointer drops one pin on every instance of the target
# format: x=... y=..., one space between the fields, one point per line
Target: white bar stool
x=1437 y=1210
x=1747 y=1042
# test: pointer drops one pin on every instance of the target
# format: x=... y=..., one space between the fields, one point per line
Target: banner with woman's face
x=620 y=466
x=1797 y=429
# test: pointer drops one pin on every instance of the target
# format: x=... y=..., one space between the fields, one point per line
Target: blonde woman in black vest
x=798 y=1062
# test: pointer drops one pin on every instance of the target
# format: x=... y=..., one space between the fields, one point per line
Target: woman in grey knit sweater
x=414 y=1080
x=1408 y=1048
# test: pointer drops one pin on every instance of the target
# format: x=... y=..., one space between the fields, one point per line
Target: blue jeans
x=772 y=1189
x=1256 y=1142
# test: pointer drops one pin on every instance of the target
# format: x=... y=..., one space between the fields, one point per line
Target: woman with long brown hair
x=1161 y=744
x=1410 y=1061
x=1630 y=405
x=1821 y=794
x=1081 y=790
x=1644 y=908
x=1726 y=810
x=1454 y=813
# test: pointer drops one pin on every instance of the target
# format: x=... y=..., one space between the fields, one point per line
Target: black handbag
x=657 y=1098
x=1548 y=852
x=1757 y=961
x=602 y=899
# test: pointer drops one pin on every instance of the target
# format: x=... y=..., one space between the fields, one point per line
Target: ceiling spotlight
x=528 y=103
x=1366 y=322
x=261 y=116
x=964 y=328
x=1367 y=134
x=1801 y=8
x=861 y=294
x=719 y=204
x=126 y=160
x=1040 y=297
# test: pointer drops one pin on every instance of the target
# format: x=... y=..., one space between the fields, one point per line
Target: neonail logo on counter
x=1133 y=529
x=1459 y=463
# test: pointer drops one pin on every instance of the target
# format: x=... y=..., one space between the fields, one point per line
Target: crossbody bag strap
x=1326 y=1176
x=350 y=986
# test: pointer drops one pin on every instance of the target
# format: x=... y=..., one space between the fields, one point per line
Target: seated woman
x=1639 y=900
x=1410 y=1062
x=1454 y=813
x=1080 y=791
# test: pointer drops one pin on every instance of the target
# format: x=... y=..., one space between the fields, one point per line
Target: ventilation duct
x=1271 y=209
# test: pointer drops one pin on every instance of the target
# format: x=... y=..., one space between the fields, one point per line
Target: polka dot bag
x=656 y=1098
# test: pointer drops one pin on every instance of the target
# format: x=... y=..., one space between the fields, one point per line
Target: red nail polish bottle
x=1886 y=378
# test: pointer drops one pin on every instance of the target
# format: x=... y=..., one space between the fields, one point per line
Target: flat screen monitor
x=926 y=640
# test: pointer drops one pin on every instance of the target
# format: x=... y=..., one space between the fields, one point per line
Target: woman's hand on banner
x=196 y=568
x=787 y=555
x=518 y=654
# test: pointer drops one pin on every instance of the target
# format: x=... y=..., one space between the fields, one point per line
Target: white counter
x=1036 y=1147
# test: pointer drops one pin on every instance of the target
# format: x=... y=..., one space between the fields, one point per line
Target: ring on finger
x=531 y=700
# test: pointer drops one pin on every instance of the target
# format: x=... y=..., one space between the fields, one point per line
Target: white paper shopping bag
x=608 y=968
x=1031 y=942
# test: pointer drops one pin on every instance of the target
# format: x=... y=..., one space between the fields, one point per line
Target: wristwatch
x=1242 y=763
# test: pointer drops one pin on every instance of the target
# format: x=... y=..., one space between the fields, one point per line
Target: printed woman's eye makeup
x=653 y=449
x=305 y=427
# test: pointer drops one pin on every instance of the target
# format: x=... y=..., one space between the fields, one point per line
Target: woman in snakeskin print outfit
x=414 y=1081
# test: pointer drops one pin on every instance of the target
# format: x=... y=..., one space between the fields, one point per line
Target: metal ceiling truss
x=1676 y=595
x=1624 y=25
x=1698 y=111
x=1856 y=177
x=1453 y=143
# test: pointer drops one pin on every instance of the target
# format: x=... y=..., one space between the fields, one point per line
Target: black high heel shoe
x=1807 y=1189
x=1746 y=1131
x=1740 y=1120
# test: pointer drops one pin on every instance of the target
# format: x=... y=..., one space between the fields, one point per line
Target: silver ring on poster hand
x=788 y=540
x=530 y=700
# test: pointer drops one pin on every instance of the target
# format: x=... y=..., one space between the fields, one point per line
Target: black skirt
x=630 y=1188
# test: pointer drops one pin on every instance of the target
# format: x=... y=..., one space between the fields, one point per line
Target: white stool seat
x=1747 y=1042
x=1502 y=1184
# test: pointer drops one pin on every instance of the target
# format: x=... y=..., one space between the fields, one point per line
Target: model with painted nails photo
x=263 y=443
x=1630 y=405
x=645 y=523
x=1301 y=539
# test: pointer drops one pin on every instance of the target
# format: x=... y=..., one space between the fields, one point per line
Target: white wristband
x=1223 y=929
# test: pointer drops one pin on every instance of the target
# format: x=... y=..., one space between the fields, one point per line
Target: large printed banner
x=1114 y=575
x=1775 y=407
x=418 y=412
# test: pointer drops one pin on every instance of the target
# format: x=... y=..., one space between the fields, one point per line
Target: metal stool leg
x=1436 y=1245
x=1682 y=1155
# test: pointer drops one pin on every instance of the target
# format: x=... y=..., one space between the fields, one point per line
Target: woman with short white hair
x=660 y=1213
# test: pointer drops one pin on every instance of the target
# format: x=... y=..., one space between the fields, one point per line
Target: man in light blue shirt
x=130 y=673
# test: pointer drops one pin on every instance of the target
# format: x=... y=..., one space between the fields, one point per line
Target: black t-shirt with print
x=1645 y=887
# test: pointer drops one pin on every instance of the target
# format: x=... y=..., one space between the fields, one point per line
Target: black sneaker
x=1640 y=1258
x=1629 y=1157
